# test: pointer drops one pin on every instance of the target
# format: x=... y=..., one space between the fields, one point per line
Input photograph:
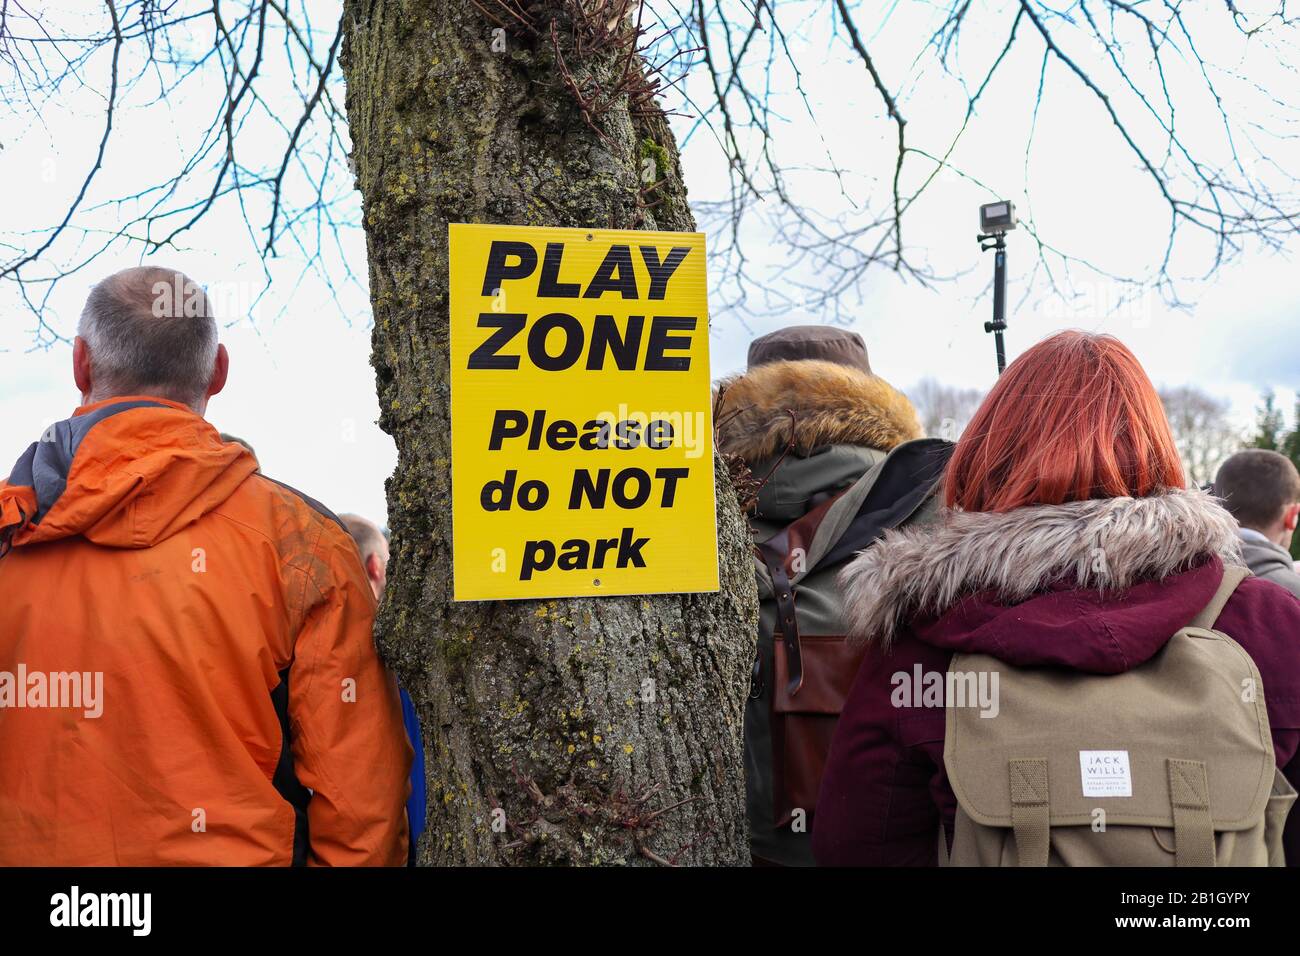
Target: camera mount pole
x=999 y=323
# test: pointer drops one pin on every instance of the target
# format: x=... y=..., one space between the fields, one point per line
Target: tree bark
x=586 y=731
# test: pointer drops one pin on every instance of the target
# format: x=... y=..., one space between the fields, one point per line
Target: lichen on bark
x=597 y=731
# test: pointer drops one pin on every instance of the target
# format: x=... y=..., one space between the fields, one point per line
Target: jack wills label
x=1105 y=773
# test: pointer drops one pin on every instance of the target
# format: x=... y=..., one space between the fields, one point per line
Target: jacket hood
x=1098 y=585
x=801 y=483
x=124 y=473
x=817 y=403
x=1265 y=557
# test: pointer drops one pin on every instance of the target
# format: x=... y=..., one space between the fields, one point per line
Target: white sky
x=301 y=389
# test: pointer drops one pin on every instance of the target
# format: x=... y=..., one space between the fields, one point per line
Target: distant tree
x=1268 y=424
x=1291 y=448
x=1202 y=428
x=944 y=409
x=1291 y=443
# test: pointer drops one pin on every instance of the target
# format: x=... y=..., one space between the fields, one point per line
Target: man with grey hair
x=229 y=707
x=149 y=331
x=373 y=547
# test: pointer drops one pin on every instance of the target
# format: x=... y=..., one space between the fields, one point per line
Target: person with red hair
x=1069 y=540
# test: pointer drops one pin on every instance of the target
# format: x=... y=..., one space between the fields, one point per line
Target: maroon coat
x=885 y=789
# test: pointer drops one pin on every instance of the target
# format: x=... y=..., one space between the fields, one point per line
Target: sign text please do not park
x=581 y=413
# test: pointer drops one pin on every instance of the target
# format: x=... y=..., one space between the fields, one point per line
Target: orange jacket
x=225 y=620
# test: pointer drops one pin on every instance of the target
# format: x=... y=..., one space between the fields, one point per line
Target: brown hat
x=825 y=343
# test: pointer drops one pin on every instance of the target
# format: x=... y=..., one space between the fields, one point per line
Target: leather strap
x=1030 y=816
x=1189 y=794
x=787 y=622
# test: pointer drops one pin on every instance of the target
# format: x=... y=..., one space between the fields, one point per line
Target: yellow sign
x=581 y=413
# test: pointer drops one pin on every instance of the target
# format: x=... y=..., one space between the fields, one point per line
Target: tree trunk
x=602 y=730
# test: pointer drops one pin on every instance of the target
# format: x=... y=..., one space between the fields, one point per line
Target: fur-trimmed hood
x=831 y=404
x=1108 y=545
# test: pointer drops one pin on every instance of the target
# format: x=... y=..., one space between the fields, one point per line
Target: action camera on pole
x=996 y=220
x=997 y=217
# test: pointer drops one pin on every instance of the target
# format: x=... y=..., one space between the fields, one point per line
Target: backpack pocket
x=804 y=722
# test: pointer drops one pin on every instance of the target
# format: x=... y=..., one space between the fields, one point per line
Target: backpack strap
x=1031 y=818
x=787 y=621
x=1232 y=576
x=1189 y=796
x=1189 y=786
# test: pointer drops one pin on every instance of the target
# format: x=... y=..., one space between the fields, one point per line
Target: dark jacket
x=1025 y=588
x=416 y=809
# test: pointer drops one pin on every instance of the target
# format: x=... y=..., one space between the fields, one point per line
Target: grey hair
x=150 y=331
x=365 y=533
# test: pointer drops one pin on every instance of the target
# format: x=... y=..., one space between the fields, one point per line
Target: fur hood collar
x=832 y=404
x=1107 y=544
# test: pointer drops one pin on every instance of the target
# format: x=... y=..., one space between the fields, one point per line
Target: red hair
x=1073 y=418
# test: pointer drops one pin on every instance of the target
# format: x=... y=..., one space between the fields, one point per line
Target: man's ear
x=1291 y=517
x=375 y=572
x=81 y=366
x=220 y=369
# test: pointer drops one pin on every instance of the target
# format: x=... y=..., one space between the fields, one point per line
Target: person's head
x=1073 y=418
x=374 y=550
x=149 y=331
x=1262 y=490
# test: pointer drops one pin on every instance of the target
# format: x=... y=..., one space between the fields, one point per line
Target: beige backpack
x=1169 y=764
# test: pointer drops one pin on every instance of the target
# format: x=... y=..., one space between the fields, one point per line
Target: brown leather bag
x=804 y=721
